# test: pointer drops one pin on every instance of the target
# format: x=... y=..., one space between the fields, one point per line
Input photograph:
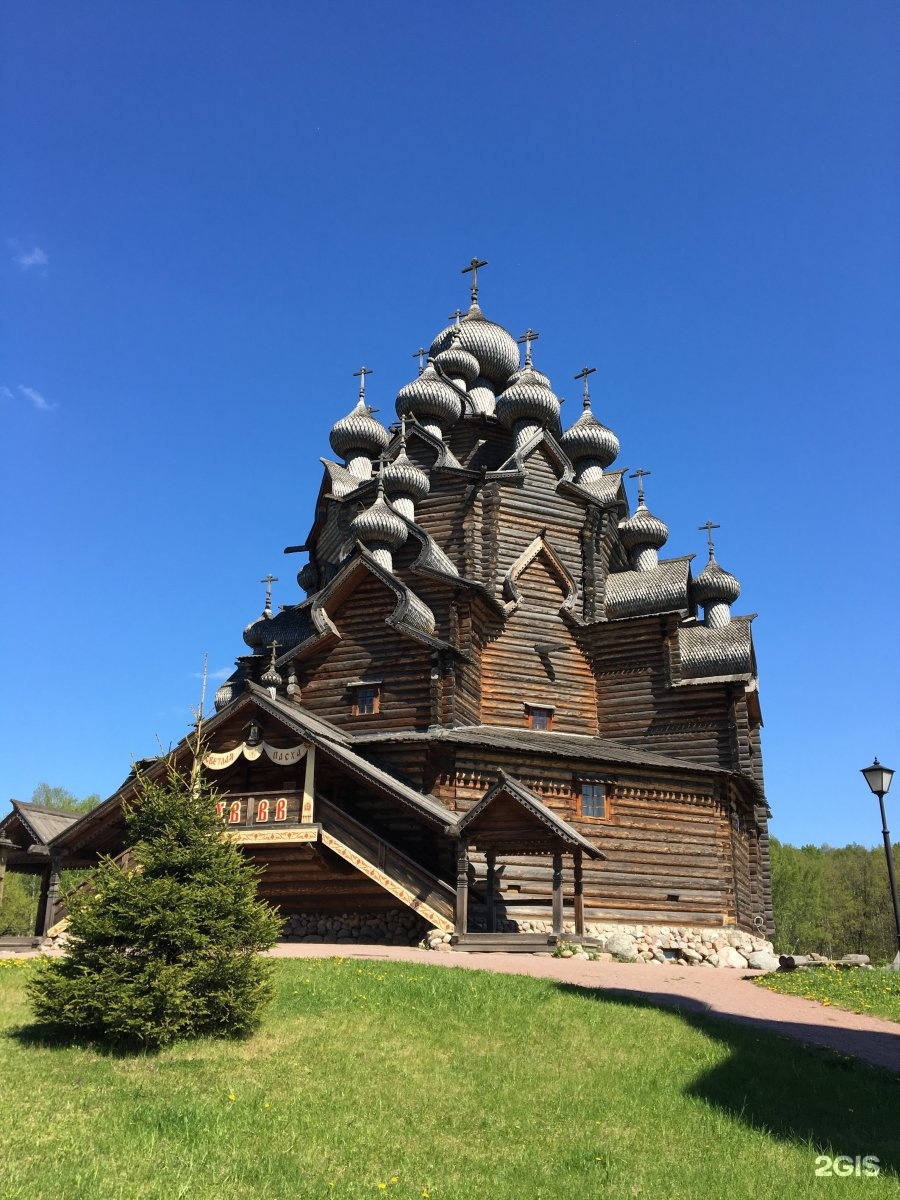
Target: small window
x=593 y=800
x=366 y=698
x=538 y=718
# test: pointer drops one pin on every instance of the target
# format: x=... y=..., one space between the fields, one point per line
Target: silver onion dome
x=270 y=677
x=256 y=634
x=430 y=400
x=538 y=375
x=495 y=349
x=715 y=585
x=589 y=438
x=359 y=432
x=403 y=478
x=457 y=362
x=643 y=529
x=528 y=400
x=379 y=526
x=229 y=691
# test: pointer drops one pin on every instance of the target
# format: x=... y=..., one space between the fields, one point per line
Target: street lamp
x=879 y=780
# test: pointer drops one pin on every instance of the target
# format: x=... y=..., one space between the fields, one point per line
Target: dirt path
x=727 y=994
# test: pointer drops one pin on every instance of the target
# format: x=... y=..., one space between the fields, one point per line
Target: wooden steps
x=505 y=943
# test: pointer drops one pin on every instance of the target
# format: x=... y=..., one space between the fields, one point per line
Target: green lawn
x=874 y=992
x=418 y=1081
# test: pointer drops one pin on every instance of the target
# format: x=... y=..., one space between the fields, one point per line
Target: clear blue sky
x=213 y=213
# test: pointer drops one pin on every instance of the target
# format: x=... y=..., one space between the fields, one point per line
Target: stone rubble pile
x=392 y=927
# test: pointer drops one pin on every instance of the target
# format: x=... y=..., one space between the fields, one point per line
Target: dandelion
x=231 y=1096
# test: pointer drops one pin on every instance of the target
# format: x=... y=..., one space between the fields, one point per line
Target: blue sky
x=213 y=213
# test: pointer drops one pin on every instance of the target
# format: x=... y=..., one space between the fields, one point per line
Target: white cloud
x=6 y=393
x=213 y=676
x=39 y=401
x=27 y=257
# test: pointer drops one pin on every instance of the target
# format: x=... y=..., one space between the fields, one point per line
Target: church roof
x=544 y=741
x=41 y=820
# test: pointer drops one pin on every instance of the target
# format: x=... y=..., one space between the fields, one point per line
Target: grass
x=874 y=992
x=426 y=1082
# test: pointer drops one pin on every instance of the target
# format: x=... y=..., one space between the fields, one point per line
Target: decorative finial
x=362 y=373
x=268 y=581
x=709 y=527
x=403 y=433
x=420 y=355
x=456 y=316
x=583 y=375
x=528 y=337
x=473 y=267
x=640 y=475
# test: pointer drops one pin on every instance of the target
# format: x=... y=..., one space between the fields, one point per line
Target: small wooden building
x=497 y=706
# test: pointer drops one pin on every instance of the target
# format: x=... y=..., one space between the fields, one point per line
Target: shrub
x=165 y=943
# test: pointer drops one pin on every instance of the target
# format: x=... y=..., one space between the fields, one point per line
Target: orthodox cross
x=362 y=373
x=709 y=527
x=639 y=475
x=583 y=374
x=268 y=581
x=420 y=355
x=275 y=646
x=456 y=316
x=473 y=267
x=528 y=337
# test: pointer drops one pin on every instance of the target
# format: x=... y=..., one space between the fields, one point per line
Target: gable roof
x=42 y=821
x=543 y=828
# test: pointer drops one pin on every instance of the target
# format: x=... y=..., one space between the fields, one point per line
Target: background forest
x=827 y=900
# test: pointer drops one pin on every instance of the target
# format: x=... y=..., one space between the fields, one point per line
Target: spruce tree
x=164 y=944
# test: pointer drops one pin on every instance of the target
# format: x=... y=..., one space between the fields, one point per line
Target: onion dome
x=431 y=401
x=289 y=628
x=715 y=585
x=229 y=690
x=359 y=433
x=643 y=529
x=270 y=677
x=308 y=578
x=495 y=349
x=379 y=526
x=403 y=478
x=589 y=438
x=458 y=363
x=529 y=401
x=481 y=396
x=256 y=634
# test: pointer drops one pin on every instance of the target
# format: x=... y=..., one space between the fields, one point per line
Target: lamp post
x=879 y=780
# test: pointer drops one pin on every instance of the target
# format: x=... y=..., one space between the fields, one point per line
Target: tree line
x=833 y=900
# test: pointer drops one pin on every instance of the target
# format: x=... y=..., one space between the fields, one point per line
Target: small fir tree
x=164 y=944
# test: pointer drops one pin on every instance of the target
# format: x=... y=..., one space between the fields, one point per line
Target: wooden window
x=593 y=801
x=366 y=699
x=538 y=718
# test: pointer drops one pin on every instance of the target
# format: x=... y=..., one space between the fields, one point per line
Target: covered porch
x=510 y=819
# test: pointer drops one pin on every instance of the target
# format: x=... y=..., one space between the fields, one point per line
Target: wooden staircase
x=411 y=883
x=505 y=943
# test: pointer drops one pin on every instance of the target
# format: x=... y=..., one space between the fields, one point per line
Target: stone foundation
x=392 y=927
x=690 y=945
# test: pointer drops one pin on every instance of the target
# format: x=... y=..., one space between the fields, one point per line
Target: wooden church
x=497 y=708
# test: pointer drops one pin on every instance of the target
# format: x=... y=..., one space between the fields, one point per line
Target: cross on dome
x=709 y=527
x=420 y=355
x=473 y=267
x=268 y=581
x=527 y=338
x=361 y=374
x=583 y=375
x=640 y=474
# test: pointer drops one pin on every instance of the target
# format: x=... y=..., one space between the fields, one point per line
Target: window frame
x=592 y=781
x=531 y=709
x=359 y=686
